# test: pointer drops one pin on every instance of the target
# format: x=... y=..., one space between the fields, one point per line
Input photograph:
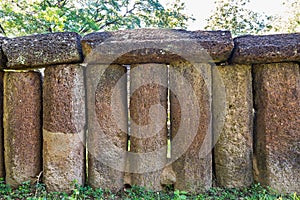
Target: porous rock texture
x=190 y=88
x=277 y=130
x=63 y=160
x=232 y=126
x=22 y=126
x=157 y=46
x=148 y=135
x=63 y=127
x=107 y=126
x=42 y=50
x=252 y=49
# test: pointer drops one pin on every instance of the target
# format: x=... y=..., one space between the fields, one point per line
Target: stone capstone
x=252 y=49
x=157 y=46
x=42 y=50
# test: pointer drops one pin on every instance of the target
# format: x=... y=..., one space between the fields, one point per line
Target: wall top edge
x=146 y=45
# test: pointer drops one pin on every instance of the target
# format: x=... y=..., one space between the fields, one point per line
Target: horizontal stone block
x=266 y=49
x=157 y=46
x=277 y=130
x=232 y=125
x=42 y=50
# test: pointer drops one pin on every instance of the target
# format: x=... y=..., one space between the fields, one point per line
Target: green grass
x=38 y=191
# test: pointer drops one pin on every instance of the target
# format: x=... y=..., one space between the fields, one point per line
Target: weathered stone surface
x=168 y=176
x=2 y=169
x=266 y=49
x=277 y=131
x=107 y=128
x=22 y=126
x=2 y=57
x=42 y=50
x=64 y=99
x=148 y=127
x=233 y=134
x=63 y=160
x=157 y=46
x=63 y=127
x=191 y=126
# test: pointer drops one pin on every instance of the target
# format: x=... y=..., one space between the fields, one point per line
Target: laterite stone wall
x=151 y=107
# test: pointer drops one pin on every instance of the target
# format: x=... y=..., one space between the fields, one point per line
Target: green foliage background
x=234 y=15
x=23 y=17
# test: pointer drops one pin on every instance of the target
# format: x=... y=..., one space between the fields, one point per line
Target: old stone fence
x=151 y=107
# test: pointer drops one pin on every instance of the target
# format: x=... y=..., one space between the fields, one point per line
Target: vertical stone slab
x=2 y=169
x=277 y=130
x=63 y=127
x=233 y=137
x=22 y=126
x=148 y=127
x=191 y=125
x=107 y=128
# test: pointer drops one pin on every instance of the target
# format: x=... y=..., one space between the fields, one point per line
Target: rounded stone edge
x=218 y=44
x=261 y=49
x=42 y=50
